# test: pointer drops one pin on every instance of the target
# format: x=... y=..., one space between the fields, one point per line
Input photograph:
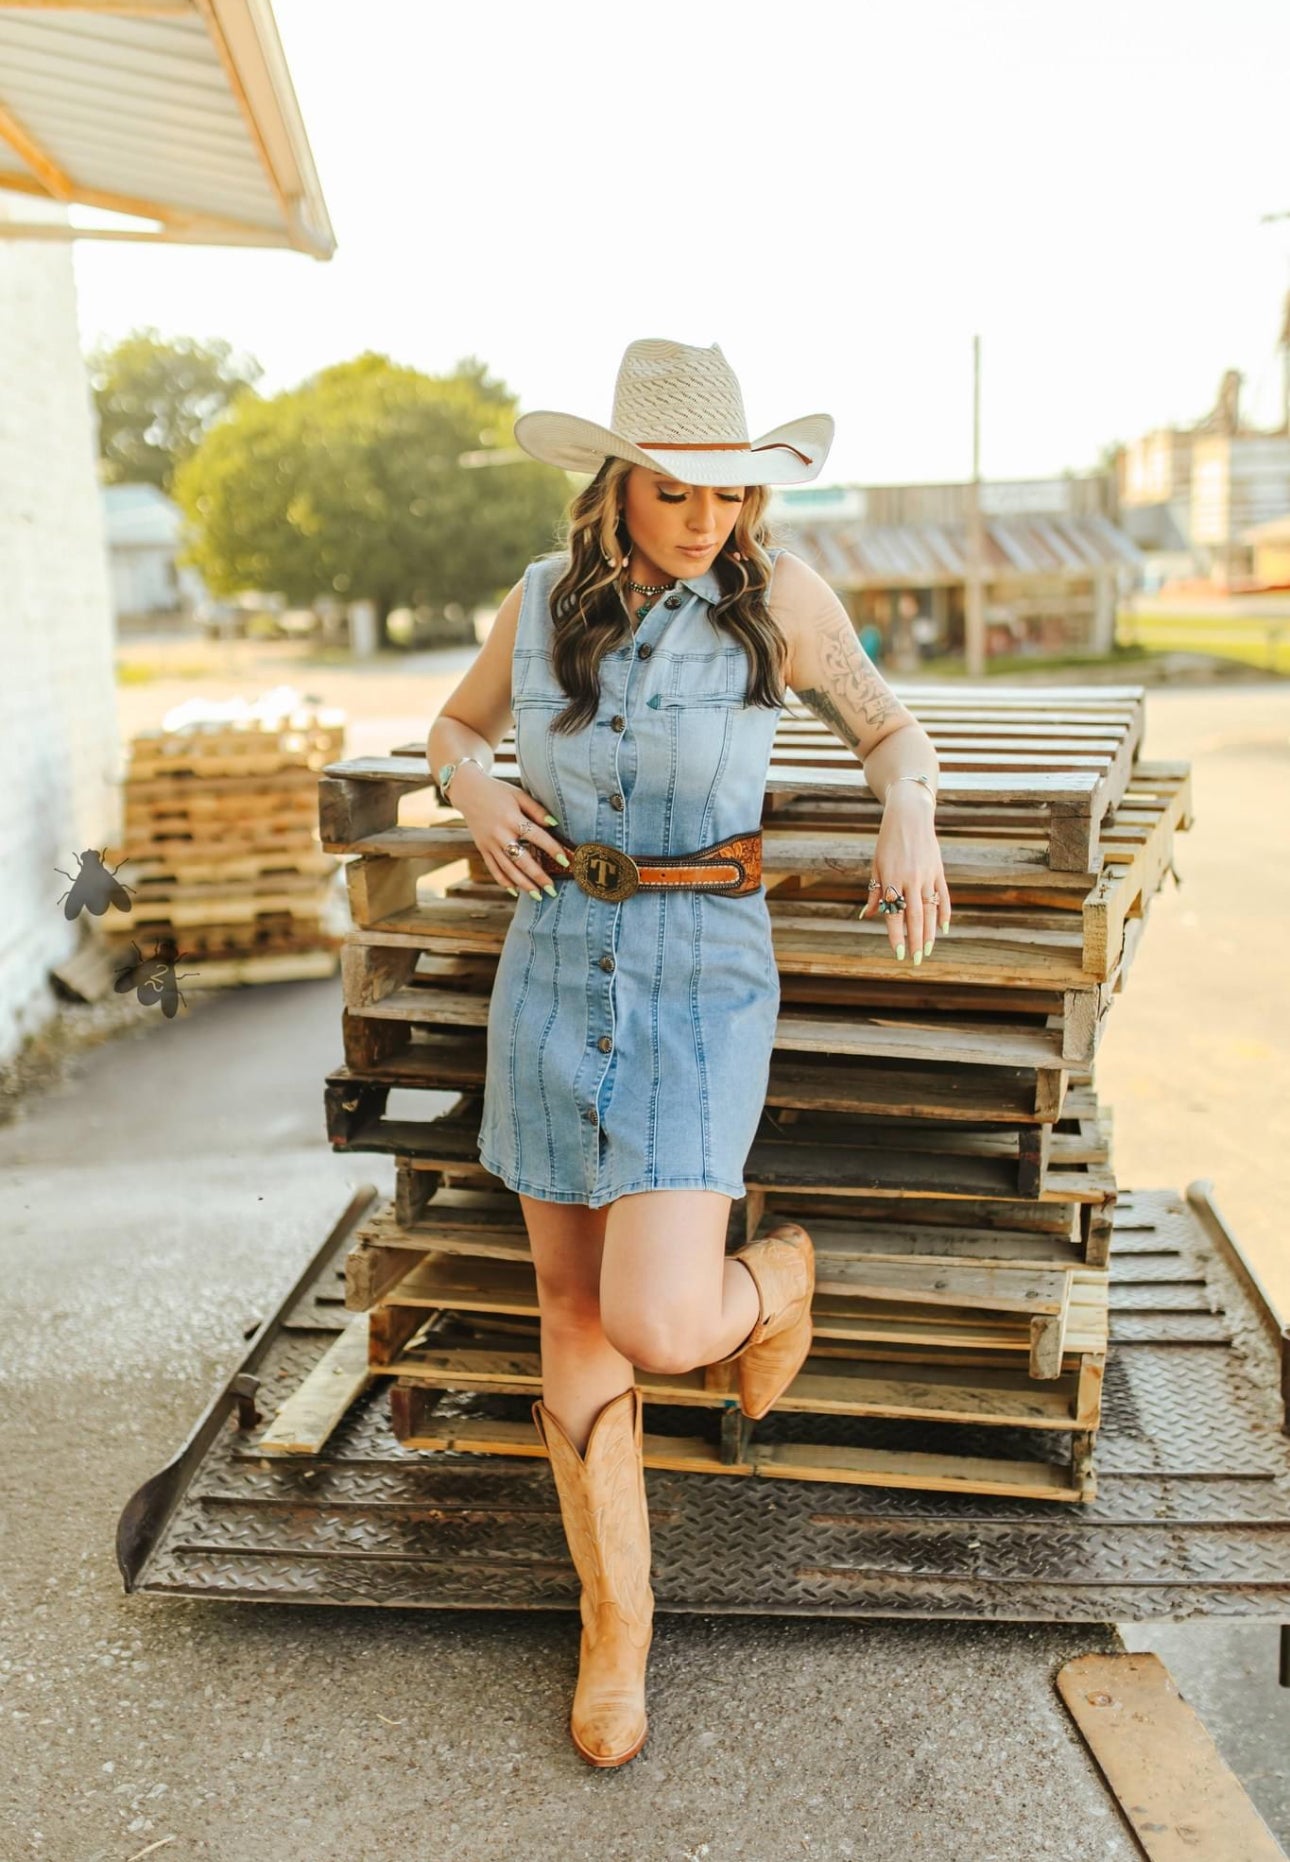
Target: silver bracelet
x=925 y=780
x=456 y=766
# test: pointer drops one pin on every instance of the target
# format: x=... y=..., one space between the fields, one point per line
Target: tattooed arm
x=835 y=678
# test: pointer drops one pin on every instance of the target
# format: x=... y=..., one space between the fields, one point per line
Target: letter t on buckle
x=605 y=872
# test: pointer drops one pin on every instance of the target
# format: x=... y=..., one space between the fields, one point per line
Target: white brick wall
x=59 y=753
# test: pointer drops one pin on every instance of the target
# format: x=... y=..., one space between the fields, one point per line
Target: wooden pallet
x=220 y=850
x=420 y=1009
x=300 y=912
x=854 y=1465
x=449 y=1302
x=936 y=1128
x=826 y=959
x=291 y=866
x=1070 y=1165
x=1008 y=960
x=209 y=945
x=1053 y=764
x=1032 y=1319
x=237 y=750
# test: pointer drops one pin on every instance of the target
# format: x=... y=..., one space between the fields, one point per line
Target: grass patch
x=144 y=671
x=1252 y=641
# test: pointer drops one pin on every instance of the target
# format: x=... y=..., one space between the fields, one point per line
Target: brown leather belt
x=605 y=872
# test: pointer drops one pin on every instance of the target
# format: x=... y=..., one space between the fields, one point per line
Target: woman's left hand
x=907 y=857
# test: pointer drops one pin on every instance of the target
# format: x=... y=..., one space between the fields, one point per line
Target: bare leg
x=581 y=1370
x=668 y=1294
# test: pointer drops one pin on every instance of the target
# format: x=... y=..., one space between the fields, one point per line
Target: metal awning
x=179 y=112
x=854 y=555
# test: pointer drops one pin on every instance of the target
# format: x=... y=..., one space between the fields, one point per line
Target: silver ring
x=514 y=849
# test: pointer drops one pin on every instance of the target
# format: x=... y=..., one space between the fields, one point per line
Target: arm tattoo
x=853 y=688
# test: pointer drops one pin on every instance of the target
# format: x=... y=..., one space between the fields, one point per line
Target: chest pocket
x=533 y=682
x=701 y=679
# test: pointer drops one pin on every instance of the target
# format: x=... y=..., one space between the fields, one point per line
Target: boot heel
x=762 y=1385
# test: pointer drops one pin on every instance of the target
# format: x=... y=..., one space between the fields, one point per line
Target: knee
x=572 y=1311
x=655 y=1342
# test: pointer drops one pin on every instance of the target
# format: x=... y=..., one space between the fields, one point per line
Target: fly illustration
x=95 y=886
x=154 y=979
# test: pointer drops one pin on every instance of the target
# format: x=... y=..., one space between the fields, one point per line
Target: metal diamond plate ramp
x=1192 y=1515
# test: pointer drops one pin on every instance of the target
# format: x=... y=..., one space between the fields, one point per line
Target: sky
x=841 y=195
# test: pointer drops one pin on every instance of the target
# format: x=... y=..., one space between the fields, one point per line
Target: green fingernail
x=918 y=957
x=563 y=858
x=549 y=887
x=534 y=893
x=900 y=953
x=927 y=948
x=514 y=891
x=552 y=821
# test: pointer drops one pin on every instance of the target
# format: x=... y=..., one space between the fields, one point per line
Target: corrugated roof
x=858 y=555
x=180 y=111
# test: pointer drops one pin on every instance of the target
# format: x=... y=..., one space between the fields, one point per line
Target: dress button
x=606 y=963
x=592 y=1118
x=619 y=722
x=644 y=650
x=605 y=1043
x=616 y=801
x=673 y=601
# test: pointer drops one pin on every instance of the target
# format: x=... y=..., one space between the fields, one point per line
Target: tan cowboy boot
x=602 y=1504
x=782 y=1264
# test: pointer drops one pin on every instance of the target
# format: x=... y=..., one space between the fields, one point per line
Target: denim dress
x=629 y=1042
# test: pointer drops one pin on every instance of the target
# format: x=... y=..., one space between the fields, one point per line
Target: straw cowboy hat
x=678 y=410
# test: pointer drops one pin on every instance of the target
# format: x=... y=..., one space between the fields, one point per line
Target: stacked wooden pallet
x=221 y=849
x=936 y=1128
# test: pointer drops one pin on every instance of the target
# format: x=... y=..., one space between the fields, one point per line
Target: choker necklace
x=651 y=591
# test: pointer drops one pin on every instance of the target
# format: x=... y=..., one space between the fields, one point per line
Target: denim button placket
x=682 y=1108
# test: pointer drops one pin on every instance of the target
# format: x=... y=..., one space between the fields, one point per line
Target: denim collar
x=705 y=585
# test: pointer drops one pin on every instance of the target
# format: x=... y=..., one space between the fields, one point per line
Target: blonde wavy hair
x=590 y=619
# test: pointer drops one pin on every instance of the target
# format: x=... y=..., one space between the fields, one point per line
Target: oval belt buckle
x=603 y=871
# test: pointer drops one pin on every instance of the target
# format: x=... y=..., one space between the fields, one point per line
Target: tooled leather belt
x=731 y=866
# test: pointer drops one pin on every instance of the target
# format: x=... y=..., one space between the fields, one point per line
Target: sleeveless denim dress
x=629 y=1042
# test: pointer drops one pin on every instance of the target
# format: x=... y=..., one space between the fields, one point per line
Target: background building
x=1054 y=562
x=144 y=531
x=1189 y=495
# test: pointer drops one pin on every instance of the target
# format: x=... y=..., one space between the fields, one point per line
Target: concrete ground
x=158 y=1203
x=154 y=1208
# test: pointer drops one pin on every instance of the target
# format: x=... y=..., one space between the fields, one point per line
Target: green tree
x=158 y=397
x=353 y=485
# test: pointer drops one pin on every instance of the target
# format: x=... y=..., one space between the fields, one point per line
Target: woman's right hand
x=495 y=811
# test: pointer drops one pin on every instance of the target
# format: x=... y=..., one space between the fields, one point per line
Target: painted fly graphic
x=95 y=886
x=154 y=979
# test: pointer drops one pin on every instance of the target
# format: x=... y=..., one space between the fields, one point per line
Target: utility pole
x=974 y=584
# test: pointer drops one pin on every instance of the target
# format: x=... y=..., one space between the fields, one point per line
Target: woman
x=633 y=1013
